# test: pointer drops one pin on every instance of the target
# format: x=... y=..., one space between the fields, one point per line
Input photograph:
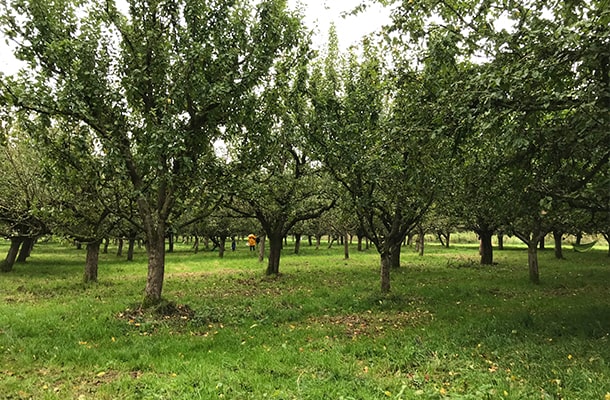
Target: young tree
x=279 y=183
x=375 y=138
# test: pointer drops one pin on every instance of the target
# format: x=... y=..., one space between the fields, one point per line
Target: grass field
x=450 y=329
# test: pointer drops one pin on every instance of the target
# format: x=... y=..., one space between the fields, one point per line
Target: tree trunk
x=318 y=241
x=359 y=243
x=9 y=261
x=410 y=238
x=557 y=237
x=106 y=244
x=443 y=238
x=297 y=243
x=196 y=244
x=221 y=246
x=261 y=248
x=541 y=244
x=346 y=246
x=170 y=247
x=486 y=247
x=310 y=240
x=420 y=241
x=130 y=248
x=386 y=266
x=275 y=251
x=500 y=241
x=91 y=263
x=26 y=249
x=119 y=250
x=395 y=255
x=155 y=247
x=532 y=261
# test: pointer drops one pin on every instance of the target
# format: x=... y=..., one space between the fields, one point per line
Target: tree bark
x=106 y=244
x=500 y=241
x=130 y=249
x=386 y=266
x=26 y=249
x=420 y=241
x=119 y=250
x=557 y=237
x=221 y=246
x=91 y=263
x=9 y=261
x=541 y=244
x=346 y=246
x=486 y=248
x=275 y=251
x=395 y=255
x=155 y=248
x=532 y=261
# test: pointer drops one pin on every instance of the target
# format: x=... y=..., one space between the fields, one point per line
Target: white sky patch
x=319 y=14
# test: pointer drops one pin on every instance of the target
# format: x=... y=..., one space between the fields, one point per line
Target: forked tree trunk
x=9 y=261
x=26 y=249
x=91 y=263
x=557 y=237
x=486 y=247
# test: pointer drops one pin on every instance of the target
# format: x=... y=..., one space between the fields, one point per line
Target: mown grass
x=450 y=328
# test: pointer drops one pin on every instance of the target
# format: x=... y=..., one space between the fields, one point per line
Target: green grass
x=321 y=330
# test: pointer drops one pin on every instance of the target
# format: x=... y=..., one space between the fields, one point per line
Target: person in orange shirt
x=252 y=241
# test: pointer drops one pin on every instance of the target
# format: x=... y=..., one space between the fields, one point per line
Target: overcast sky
x=350 y=29
x=318 y=16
